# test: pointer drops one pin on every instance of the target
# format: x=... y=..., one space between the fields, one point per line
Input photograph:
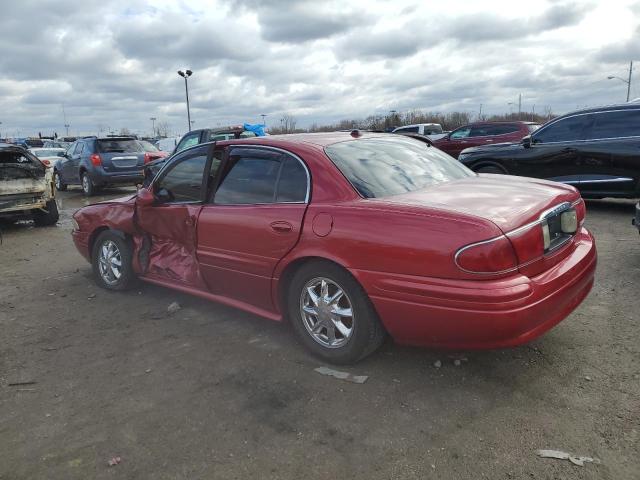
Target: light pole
x=264 y=123
x=628 y=82
x=153 y=126
x=186 y=74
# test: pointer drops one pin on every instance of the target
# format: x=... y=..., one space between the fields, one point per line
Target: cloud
x=114 y=63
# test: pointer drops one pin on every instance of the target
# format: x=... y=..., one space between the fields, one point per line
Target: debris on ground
x=587 y=378
x=93 y=295
x=457 y=362
x=437 y=364
x=148 y=370
x=18 y=384
x=560 y=455
x=114 y=461
x=173 y=308
x=342 y=375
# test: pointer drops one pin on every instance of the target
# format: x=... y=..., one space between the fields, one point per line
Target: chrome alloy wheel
x=57 y=180
x=85 y=183
x=110 y=262
x=326 y=312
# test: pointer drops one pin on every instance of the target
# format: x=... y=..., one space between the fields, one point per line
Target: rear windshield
x=119 y=146
x=380 y=167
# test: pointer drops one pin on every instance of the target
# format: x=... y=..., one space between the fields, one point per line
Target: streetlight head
x=610 y=77
x=181 y=73
x=188 y=72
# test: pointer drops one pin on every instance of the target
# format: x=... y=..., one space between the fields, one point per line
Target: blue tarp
x=257 y=128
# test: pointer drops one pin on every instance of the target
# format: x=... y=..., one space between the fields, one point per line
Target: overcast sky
x=113 y=63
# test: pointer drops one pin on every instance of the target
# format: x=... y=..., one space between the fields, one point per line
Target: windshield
x=379 y=167
x=119 y=146
x=533 y=127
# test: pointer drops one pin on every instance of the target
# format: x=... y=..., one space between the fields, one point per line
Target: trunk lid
x=509 y=202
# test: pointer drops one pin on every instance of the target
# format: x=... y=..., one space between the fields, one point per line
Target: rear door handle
x=281 y=227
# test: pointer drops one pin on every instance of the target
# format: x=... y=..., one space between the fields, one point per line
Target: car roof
x=614 y=106
x=322 y=139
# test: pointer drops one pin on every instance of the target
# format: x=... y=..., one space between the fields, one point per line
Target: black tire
x=125 y=250
x=48 y=218
x=490 y=169
x=367 y=330
x=57 y=180
x=88 y=187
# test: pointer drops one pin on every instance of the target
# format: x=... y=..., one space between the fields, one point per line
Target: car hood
x=126 y=199
x=507 y=201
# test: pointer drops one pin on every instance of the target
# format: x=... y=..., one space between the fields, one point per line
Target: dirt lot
x=212 y=392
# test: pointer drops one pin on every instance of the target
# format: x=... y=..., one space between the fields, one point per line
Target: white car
x=48 y=156
x=431 y=130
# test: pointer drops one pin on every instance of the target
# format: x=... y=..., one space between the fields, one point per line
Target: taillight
x=489 y=257
x=46 y=162
x=150 y=157
x=96 y=161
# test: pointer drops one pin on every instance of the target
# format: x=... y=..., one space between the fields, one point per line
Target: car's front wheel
x=57 y=179
x=490 y=169
x=332 y=314
x=88 y=187
x=111 y=261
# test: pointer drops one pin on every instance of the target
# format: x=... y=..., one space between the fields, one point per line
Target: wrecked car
x=26 y=187
x=351 y=236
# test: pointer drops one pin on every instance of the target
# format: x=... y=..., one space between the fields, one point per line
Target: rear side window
x=624 y=123
x=380 y=167
x=118 y=146
x=565 y=130
x=262 y=177
x=188 y=140
x=79 y=148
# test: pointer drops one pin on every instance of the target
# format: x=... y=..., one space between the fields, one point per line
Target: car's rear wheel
x=111 y=261
x=490 y=169
x=50 y=217
x=332 y=314
x=88 y=186
x=57 y=179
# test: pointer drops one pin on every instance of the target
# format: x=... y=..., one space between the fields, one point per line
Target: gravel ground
x=212 y=392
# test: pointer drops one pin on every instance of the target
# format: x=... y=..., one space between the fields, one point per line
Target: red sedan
x=352 y=237
x=484 y=133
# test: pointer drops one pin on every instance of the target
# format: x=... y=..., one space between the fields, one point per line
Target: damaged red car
x=351 y=236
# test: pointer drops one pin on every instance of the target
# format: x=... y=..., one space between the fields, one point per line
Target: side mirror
x=526 y=141
x=145 y=197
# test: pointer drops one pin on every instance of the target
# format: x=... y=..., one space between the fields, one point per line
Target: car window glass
x=250 y=180
x=565 y=130
x=183 y=181
x=78 y=148
x=292 y=184
x=461 y=133
x=408 y=129
x=188 y=141
x=624 y=123
x=380 y=167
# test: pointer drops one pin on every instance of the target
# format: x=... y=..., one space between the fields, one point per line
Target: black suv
x=196 y=137
x=597 y=150
x=93 y=162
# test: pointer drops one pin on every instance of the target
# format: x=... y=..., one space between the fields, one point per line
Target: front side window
x=380 y=167
x=183 y=182
x=257 y=177
x=623 y=123
x=460 y=133
x=565 y=130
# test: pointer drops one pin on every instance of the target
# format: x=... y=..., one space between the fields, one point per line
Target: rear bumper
x=100 y=176
x=482 y=314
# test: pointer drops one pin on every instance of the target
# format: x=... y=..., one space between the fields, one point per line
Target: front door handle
x=281 y=227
